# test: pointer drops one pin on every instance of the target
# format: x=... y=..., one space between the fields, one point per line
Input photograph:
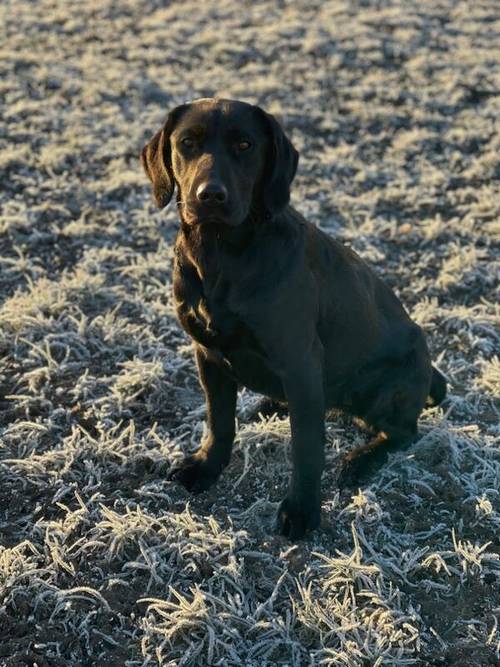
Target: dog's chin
x=196 y=219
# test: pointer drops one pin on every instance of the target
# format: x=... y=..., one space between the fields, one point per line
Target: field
x=394 y=106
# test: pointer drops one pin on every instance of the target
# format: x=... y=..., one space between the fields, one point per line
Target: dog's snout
x=211 y=193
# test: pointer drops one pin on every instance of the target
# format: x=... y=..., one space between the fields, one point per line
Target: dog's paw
x=295 y=518
x=361 y=469
x=196 y=474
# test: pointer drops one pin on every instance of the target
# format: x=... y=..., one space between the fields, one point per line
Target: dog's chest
x=209 y=313
x=221 y=326
x=235 y=347
x=213 y=314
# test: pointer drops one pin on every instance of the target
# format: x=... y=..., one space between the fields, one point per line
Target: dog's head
x=228 y=160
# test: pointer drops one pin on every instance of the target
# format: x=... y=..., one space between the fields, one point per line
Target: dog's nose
x=211 y=193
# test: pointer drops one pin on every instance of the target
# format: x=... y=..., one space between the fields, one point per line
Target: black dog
x=276 y=305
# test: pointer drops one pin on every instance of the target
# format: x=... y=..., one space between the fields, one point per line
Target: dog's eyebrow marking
x=192 y=129
x=239 y=132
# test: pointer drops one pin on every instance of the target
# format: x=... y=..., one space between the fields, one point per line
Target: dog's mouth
x=210 y=219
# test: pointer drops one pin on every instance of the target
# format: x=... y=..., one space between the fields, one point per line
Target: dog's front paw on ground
x=296 y=518
x=196 y=474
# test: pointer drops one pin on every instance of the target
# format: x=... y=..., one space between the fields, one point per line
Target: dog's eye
x=187 y=142
x=244 y=145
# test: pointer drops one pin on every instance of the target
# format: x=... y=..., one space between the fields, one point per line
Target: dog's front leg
x=303 y=382
x=200 y=470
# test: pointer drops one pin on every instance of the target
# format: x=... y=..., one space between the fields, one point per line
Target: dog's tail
x=437 y=391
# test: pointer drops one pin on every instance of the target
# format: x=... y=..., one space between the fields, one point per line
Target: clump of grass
x=103 y=558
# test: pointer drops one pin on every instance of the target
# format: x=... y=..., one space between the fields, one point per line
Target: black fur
x=275 y=304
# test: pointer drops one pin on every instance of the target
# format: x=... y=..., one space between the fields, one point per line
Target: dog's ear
x=281 y=165
x=156 y=159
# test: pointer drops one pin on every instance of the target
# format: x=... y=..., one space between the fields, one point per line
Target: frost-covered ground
x=395 y=107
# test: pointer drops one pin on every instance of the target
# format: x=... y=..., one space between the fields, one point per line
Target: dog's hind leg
x=390 y=402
